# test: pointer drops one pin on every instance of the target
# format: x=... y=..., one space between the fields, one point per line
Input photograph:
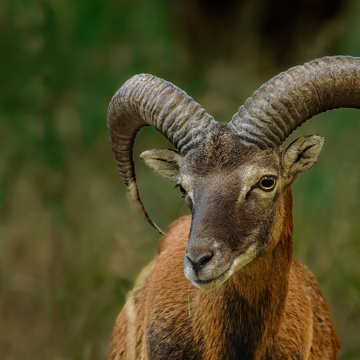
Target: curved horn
x=147 y=100
x=294 y=96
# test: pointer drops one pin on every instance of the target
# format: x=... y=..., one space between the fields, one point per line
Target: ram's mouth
x=242 y=260
x=212 y=283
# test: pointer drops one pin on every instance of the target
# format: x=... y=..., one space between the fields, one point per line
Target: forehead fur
x=222 y=150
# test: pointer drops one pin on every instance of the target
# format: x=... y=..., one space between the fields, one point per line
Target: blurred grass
x=71 y=245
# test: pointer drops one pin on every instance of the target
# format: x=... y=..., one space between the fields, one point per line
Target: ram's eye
x=267 y=183
x=182 y=190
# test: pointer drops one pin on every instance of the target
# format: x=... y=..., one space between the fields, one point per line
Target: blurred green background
x=71 y=245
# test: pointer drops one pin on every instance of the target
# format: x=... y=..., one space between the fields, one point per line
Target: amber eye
x=267 y=183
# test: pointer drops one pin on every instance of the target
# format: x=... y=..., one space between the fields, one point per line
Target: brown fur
x=270 y=309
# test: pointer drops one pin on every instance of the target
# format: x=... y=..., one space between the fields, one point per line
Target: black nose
x=200 y=260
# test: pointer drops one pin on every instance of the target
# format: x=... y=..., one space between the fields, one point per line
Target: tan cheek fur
x=294 y=320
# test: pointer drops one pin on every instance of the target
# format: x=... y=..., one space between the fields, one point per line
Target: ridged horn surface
x=286 y=101
x=147 y=100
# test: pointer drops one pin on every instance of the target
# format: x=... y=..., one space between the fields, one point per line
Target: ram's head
x=235 y=177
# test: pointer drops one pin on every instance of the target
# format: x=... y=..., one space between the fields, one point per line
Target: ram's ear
x=301 y=155
x=164 y=162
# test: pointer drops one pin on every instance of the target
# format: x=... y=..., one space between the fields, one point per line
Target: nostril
x=198 y=262
x=205 y=259
x=190 y=259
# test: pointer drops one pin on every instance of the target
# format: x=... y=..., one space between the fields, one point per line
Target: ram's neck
x=269 y=274
x=249 y=307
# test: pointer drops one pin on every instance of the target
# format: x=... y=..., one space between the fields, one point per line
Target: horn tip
x=133 y=194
